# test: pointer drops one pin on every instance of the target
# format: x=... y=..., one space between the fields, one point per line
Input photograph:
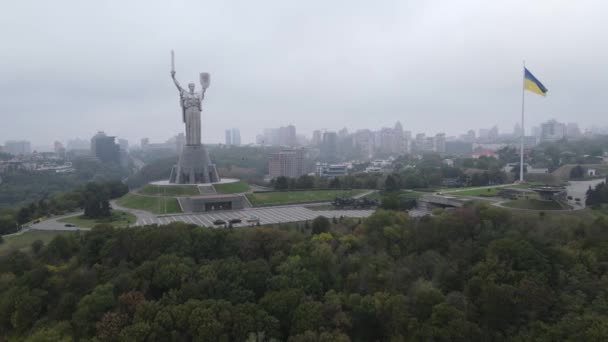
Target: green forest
x=478 y=273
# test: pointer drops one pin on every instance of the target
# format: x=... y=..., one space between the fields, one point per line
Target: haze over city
x=436 y=66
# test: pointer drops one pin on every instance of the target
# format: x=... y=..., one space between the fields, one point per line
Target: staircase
x=206 y=189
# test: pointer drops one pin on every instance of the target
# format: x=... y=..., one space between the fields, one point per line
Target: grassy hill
x=154 y=205
x=231 y=188
x=169 y=190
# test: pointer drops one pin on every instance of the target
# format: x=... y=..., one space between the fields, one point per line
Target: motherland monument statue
x=194 y=165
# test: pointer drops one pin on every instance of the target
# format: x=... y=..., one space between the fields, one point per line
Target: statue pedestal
x=194 y=167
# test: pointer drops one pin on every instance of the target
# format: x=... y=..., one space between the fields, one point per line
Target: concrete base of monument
x=166 y=182
x=194 y=166
x=213 y=202
x=207 y=199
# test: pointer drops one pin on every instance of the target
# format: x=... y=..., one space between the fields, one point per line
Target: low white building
x=331 y=170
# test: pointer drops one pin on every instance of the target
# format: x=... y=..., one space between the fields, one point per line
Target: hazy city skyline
x=438 y=66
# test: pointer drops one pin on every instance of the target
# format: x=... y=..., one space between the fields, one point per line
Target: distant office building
x=105 y=149
x=228 y=135
x=343 y=133
x=287 y=163
x=429 y=144
x=316 y=137
x=439 y=143
x=18 y=147
x=517 y=131
x=59 y=150
x=331 y=170
x=471 y=135
x=236 y=137
x=271 y=137
x=385 y=140
x=124 y=144
x=391 y=140
x=530 y=141
x=364 y=141
x=287 y=136
x=536 y=131
x=329 y=147
x=572 y=130
x=419 y=142
x=282 y=136
x=488 y=134
x=493 y=133
x=233 y=137
x=552 y=131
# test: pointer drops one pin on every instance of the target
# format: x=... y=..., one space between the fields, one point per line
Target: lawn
x=154 y=205
x=23 y=241
x=231 y=188
x=118 y=219
x=169 y=190
x=284 y=197
x=533 y=204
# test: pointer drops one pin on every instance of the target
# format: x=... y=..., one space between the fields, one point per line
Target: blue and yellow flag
x=533 y=85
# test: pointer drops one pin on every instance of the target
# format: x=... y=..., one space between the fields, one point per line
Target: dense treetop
x=477 y=273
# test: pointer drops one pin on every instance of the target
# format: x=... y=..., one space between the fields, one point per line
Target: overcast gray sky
x=70 y=68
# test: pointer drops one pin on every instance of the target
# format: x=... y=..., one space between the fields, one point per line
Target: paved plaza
x=265 y=215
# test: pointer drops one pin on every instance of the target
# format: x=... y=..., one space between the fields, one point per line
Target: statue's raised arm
x=181 y=90
x=176 y=82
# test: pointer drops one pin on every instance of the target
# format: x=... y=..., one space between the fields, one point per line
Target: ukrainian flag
x=533 y=85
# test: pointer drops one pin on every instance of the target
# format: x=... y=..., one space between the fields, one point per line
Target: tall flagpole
x=521 y=151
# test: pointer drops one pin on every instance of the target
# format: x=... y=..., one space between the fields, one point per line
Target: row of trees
x=598 y=195
x=21 y=187
x=93 y=198
x=473 y=274
x=308 y=182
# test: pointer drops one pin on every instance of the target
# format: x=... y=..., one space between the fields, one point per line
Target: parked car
x=37 y=221
x=70 y=225
x=235 y=220
x=253 y=219
x=219 y=222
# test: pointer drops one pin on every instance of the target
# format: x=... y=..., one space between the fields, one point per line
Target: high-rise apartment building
x=439 y=143
x=104 y=148
x=59 y=150
x=287 y=163
x=329 y=147
x=552 y=131
x=236 y=137
x=18 y=147
x=233 y=137
x=228 y=140
x=316 y=137
x=572 y=130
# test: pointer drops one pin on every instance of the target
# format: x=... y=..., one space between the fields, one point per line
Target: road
x=54 y=224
